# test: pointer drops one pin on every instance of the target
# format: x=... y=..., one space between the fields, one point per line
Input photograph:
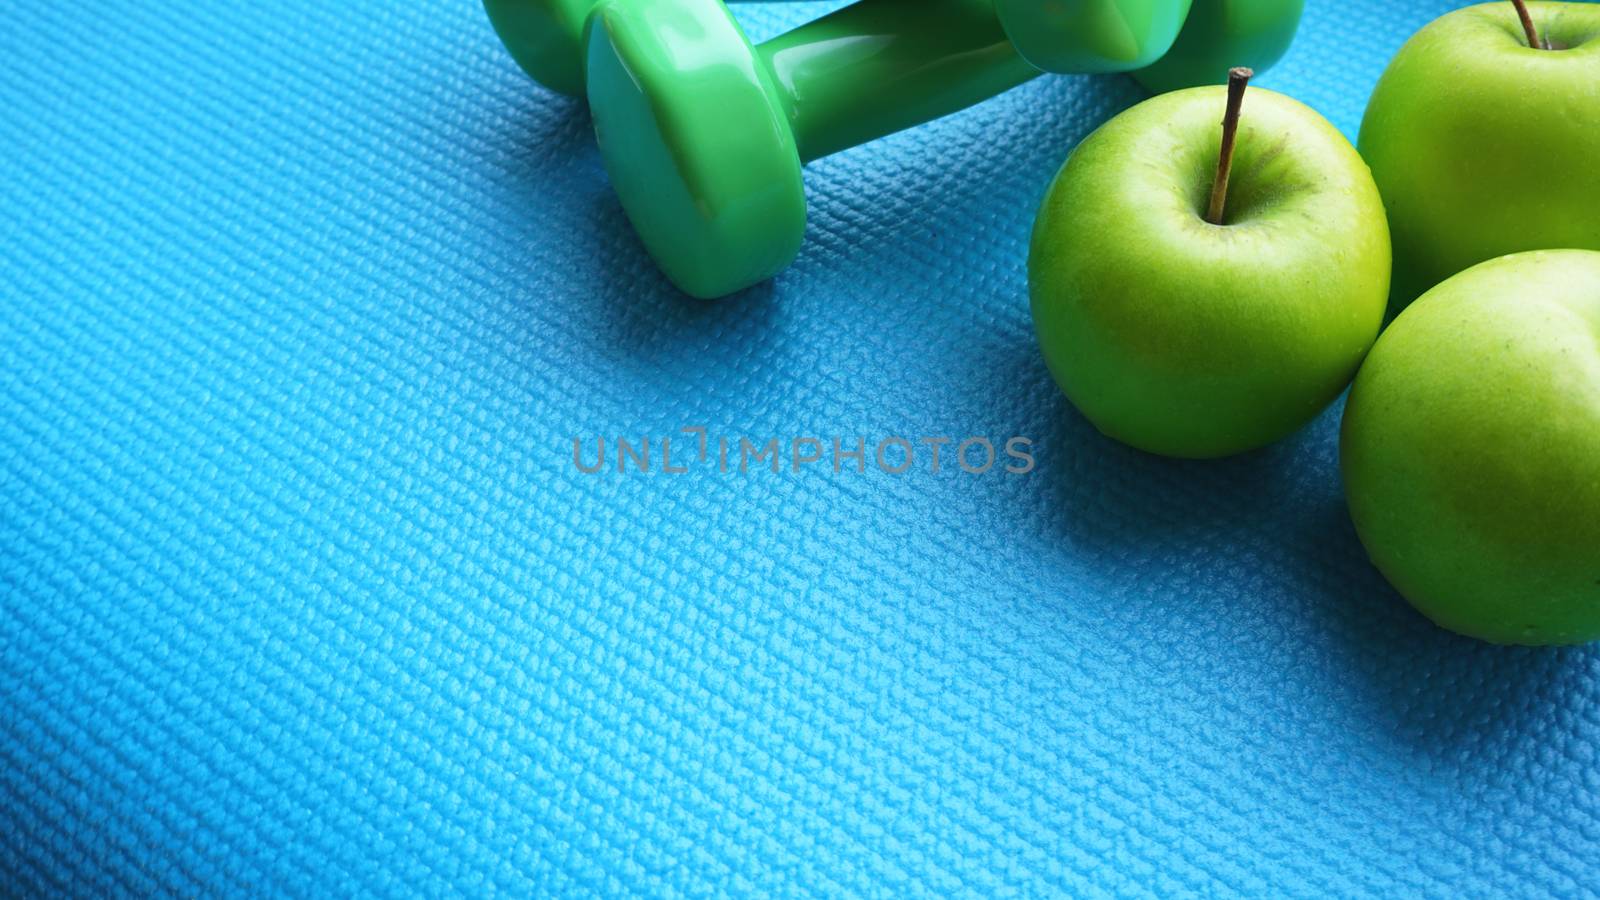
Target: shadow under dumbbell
x=641 y=309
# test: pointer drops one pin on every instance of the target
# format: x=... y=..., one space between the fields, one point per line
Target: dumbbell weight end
x=1222 y=34
x=545 y=37
x=704 y=135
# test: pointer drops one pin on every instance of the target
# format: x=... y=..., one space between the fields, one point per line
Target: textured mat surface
x=303 y=307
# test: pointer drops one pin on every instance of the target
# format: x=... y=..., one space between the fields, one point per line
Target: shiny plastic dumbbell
x=704 y=134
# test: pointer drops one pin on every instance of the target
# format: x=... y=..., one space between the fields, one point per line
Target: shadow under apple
x=1261 y=546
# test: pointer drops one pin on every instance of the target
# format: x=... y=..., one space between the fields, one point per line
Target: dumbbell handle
x=880 y=66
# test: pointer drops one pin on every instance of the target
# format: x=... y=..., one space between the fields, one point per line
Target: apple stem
x=1527 y=24
x=1238 y=80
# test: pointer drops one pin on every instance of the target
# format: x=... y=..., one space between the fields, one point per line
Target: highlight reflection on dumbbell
x=704 y=134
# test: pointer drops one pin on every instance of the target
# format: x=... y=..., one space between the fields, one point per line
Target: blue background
x=303 y=305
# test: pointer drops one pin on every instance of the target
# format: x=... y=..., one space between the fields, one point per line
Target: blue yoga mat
x=304 y=306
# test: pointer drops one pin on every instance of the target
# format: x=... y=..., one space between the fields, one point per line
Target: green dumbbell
x=1222 y=34
x=1217 y=35
x=704 y=134
x=545 y=37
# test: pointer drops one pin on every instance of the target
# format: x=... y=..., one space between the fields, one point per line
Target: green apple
x=1471 y=450
x=1192 y=339
x=1483 y=145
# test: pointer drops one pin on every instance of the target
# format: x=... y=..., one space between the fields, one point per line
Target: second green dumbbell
x=545 y=37
x=704 y=135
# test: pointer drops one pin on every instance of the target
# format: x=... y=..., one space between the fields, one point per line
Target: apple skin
x=1195 y=340
x=1471 y=450
x=1483 y=146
